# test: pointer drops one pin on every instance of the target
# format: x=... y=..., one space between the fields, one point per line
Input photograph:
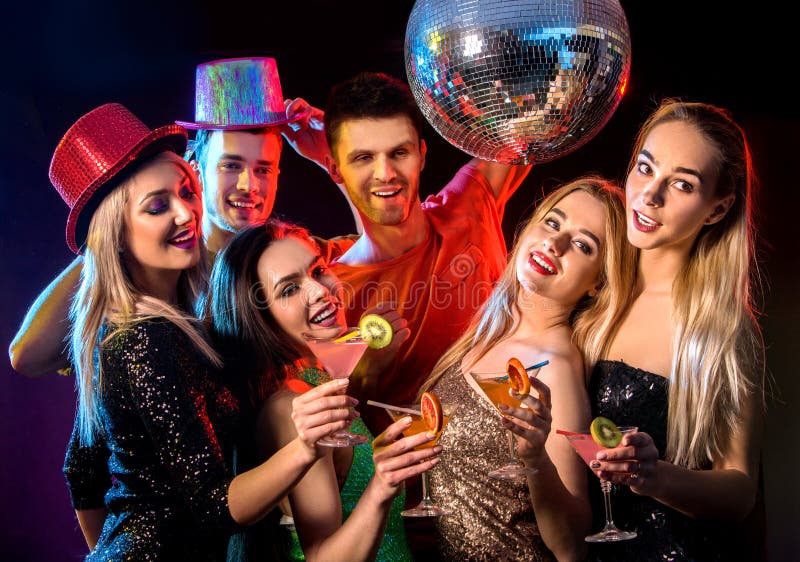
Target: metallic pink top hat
x=243 y=93
x=95 y=151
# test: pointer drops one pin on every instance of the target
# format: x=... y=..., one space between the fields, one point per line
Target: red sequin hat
x=94 y=151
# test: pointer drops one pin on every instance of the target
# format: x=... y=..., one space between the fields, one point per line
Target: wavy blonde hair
x=106 y=291
x=717 y=358
x=496 y=317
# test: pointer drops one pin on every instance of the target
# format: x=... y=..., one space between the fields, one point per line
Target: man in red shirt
x=436 y=260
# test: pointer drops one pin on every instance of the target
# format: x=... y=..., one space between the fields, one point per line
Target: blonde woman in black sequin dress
x=682 y=357
x=560 y=265
x=156 y=424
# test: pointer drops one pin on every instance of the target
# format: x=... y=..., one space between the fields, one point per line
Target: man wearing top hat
x=240 y=115
x=239 y=118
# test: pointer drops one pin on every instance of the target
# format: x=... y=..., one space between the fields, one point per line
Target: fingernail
x=601 y=456
x=595 y=465
x=435 y=461
x=406 y=420
x=430 y=435
x=342 y=382
x=438 y=449
x=503 y=407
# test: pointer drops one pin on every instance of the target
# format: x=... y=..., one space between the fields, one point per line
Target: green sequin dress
x=394 y=547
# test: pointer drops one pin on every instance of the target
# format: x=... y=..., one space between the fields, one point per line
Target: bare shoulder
x=278 y=406
x=565 y=367
x=274 y=426
x=567 y=382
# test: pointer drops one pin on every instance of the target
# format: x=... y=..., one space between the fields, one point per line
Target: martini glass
x=426 y=507
x=496 y=386
x=338 y=357
x=587 y=448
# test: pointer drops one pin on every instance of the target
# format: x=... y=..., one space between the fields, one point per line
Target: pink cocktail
x=585 y=445
x=338 y=357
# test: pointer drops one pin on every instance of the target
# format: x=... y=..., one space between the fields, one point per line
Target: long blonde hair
x=496 y=317
x=106 y=291
x=717 y=358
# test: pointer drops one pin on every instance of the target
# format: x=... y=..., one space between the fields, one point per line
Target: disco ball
x=517 y=81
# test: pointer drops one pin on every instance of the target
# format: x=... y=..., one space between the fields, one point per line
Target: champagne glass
x=587 y=448
x=426 y=507
x=495 y=386
x=339 y=357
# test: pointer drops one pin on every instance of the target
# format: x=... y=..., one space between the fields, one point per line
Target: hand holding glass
x=587 y=448
x=496 y=386
x=426 y=507
x=339 y=357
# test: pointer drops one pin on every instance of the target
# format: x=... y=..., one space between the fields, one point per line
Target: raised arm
x=313 y=415
x=504 y=179
x=39 y=346
x=307 y=137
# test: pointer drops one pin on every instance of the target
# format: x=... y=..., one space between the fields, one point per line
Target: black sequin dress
x=633 y=397
x=169 y=425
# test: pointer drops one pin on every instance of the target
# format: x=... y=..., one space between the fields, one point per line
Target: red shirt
x=437 y=286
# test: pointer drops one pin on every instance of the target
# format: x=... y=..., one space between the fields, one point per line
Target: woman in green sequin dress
x=269 y=287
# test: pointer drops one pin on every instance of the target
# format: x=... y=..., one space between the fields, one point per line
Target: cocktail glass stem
x=426 y=494
x=426 y=507
x=513 y=468
x=605 y=485
x=610 y=532
x=512 y=450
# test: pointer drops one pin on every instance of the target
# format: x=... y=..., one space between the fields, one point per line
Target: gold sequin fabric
x=169 y=427
x=492 y=520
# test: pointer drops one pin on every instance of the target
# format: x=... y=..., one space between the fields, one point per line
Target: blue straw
x=540 y=364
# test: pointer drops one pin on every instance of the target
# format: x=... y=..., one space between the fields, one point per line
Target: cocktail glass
x=426 y=507
x=496 y=386
x=338 y=358
x=587 y=448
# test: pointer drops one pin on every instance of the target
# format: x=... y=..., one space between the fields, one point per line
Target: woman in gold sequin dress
x=558 y=275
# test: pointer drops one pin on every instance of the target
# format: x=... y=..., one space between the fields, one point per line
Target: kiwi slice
x=376 y=331
x=605 y=432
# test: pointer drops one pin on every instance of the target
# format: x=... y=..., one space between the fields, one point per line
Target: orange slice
x=431 y=410
x=346 y=336
x=518 y=376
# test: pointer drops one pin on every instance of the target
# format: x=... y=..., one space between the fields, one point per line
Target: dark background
x=63 y=59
